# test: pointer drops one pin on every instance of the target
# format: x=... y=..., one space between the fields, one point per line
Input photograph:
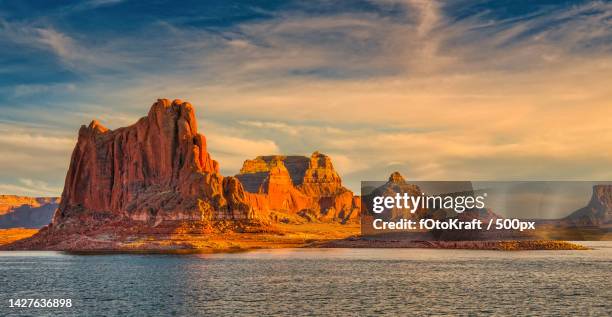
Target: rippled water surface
x=315 y=282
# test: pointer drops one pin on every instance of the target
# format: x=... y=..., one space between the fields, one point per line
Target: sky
x=438 y=90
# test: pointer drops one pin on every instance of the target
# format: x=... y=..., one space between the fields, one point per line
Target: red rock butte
x=308 y=186
x=157 y=173
x=155 y=170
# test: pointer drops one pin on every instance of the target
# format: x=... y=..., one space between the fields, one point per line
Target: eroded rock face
x=155 y=170
x=320 y=179
x=299 y=185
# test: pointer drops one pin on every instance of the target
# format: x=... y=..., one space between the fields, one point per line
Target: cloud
x=345 y=164
x=429 y=15
x=34 y=159
x=480 y=103
x=278 y=126
x=231 y=151
x=81 y=56
x=29 y=187
x=35 y=89
x=36 y=141
x=93 y=4
x=419 y=86
x=59 y=43
x=40 y=37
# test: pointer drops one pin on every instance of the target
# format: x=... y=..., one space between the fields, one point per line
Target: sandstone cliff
x=299 y=185
x=155 y=173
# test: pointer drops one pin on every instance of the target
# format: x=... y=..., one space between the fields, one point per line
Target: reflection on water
x=315 y=281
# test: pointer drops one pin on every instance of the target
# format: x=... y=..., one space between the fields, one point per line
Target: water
x=314 y=282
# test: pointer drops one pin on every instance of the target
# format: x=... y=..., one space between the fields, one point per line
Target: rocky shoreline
x=308 y=237
x=503 y=245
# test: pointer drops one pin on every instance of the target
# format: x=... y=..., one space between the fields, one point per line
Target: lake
x=314 y=282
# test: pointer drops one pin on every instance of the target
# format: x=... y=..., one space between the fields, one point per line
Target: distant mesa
x=596 y=215
x=597 y=212
x=26 y=212
x=396 y=178
x=396 y=184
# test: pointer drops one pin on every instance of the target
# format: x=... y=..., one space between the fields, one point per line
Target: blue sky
x=437 y=90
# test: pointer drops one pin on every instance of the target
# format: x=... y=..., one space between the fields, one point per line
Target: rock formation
x=154 y=172
x=598 y=211
x=156 y=176
x=396 y=184
x=298 y=185
x=26 y=212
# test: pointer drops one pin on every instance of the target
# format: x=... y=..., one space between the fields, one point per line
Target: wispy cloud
x=29 y=187
x=93 y=4
x=277 y=126
x=425 y=87
x=36 y=141
x=231 y=151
